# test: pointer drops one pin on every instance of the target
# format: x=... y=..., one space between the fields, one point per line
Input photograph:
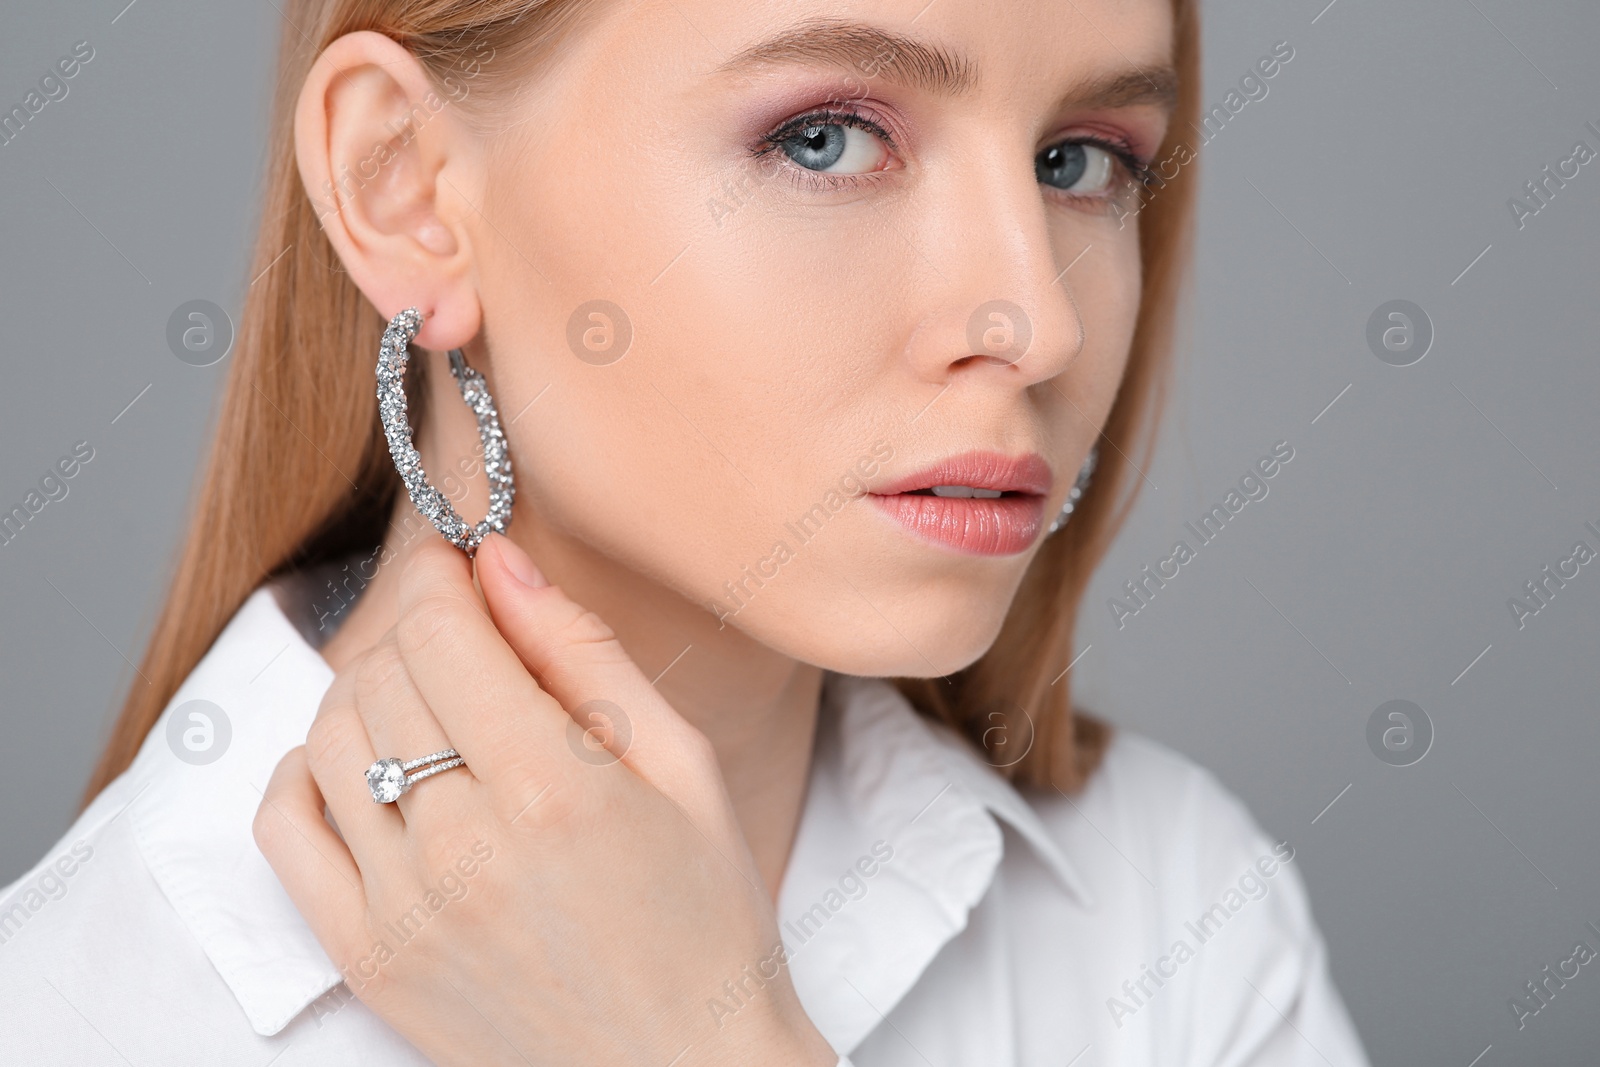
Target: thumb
x=617 y=714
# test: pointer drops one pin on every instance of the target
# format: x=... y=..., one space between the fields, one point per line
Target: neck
x=757 y=707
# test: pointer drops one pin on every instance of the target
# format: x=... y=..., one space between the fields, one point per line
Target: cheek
x=1112 y=283
x=736 y=405
x=1124 y=289
x=1108 y=296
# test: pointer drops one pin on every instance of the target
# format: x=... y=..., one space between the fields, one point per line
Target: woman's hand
x=575 y=896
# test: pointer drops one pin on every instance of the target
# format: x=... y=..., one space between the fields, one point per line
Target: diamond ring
x=389 y=778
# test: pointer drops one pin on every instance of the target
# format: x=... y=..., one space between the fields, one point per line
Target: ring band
x=389 y=779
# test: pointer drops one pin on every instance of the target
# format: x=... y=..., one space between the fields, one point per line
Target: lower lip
x=996 y=526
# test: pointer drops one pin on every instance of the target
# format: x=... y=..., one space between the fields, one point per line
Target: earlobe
x=373 y=140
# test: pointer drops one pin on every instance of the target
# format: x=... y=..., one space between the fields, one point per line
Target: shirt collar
x=883 y=739
x=262 y=683
x=883 y=773
x=887 y=781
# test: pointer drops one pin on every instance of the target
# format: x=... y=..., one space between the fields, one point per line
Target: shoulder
x=88 y=930
x=1218 y=945
x=154 y=930
x=1177 y=814
x=1158 y=831
x=100 y=961
x=97 y=840
x=1163 y=810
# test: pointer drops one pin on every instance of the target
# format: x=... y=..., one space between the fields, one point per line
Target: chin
x=912 y=639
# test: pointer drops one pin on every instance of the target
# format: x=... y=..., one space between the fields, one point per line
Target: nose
x=1000 y=303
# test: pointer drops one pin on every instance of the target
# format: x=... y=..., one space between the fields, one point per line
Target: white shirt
x=933 y=913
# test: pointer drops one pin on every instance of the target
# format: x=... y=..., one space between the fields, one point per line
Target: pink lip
x=997 y=526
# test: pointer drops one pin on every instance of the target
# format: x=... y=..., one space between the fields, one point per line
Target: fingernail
x=519 y=563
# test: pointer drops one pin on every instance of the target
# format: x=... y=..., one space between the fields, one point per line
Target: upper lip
x=979 y=470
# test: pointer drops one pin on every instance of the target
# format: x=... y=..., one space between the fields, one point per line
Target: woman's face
x=751 y=274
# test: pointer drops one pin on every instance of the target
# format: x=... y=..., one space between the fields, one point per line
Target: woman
x=802 y=323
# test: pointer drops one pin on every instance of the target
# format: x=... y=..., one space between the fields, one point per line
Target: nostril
x=995 y=361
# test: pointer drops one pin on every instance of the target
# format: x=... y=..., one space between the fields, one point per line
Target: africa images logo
x=1251 y=886
x=1253 y=486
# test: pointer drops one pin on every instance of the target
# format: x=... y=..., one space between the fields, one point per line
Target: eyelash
x=1137 y=170
x=825 y=117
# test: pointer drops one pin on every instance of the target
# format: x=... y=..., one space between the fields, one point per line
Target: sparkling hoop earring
x=1076 y=492
x=393 y=355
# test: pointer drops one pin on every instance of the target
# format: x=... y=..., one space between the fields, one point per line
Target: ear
x=382 y=156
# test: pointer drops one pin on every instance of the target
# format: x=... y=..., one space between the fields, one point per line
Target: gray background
x=1378 y=567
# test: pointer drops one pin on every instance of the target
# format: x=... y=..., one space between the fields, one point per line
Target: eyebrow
x=931 y=68
x=1130 y=88
x=868 y=50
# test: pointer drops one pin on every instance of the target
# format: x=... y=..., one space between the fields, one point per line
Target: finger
x=337 y=754
x=509 y=730
x=400 y=724
x=315 y=867
x=581 y=663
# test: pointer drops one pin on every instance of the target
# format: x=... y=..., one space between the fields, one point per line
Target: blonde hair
x=299 y=472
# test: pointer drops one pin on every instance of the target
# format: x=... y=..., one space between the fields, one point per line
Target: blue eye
x=816 y=147
x=1077 y=167
x=834 y=147
x=831 y=144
